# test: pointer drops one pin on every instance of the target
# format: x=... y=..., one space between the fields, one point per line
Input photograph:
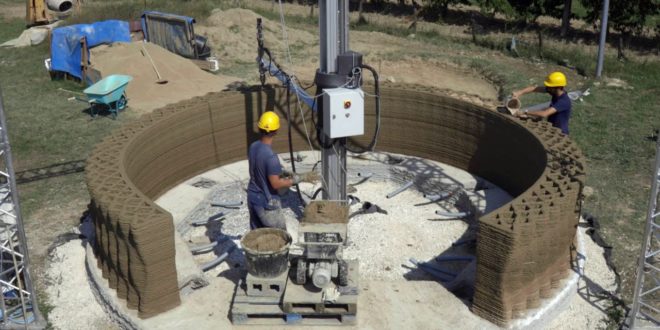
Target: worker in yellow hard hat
x=559 y=111
x=266 y=177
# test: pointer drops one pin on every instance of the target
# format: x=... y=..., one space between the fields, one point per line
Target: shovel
x=160 y=81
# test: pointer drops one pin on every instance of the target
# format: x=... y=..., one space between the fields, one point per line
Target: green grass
x=44 y=127
x=609 y=126
x=97 y=10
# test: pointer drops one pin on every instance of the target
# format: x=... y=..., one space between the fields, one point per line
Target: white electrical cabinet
x=343 y=112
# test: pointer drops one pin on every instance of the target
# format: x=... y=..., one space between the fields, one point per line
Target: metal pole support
x=603 y=35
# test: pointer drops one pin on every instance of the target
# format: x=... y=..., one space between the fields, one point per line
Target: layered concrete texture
x=523 y=248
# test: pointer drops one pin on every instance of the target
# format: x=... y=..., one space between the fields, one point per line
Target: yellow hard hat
x=269 y=122
x=555 y=79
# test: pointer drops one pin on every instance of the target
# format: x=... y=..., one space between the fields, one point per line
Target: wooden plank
x=248 y=310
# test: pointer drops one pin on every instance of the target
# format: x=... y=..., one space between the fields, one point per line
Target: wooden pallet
x=302 y=307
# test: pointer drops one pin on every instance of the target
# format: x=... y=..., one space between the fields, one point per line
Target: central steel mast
x=333 y=27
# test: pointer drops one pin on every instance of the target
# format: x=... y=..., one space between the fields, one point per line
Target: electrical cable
x=316 y=193
x=309 y=141
x=374 y=140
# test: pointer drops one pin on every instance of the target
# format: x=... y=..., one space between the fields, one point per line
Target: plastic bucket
x=266 y=252
x=513 y=105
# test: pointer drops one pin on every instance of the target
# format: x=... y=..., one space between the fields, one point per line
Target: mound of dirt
x=185 y=79
x=233 y=35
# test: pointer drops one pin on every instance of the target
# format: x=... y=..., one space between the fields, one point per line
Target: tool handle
x=152 y=61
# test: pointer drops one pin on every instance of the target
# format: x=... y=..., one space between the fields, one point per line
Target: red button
x=347 y=104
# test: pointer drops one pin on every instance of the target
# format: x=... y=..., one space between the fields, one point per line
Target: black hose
x=316 y=193
x=288 y=117
x=372 y=144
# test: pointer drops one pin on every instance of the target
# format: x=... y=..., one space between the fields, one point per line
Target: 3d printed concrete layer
x=523 y=248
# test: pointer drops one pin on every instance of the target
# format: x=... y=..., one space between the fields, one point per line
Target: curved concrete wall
x=523 y=248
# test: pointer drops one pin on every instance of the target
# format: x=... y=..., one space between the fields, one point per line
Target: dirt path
x=13 y=11
x=397 y=60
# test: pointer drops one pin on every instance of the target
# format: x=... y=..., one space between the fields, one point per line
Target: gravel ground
x=68 y=290
x=381 y=243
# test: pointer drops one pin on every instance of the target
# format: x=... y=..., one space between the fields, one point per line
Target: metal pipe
x=209 y=265
x=333 y=41
x=435 y=198
x=435 y=268
x=231 y=204
x=452 y=215
x=217 y=216
x=603 y=36
x=203 y=248
x=400 y=189
x=439 y=275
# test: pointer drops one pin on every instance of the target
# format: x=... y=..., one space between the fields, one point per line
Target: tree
x=625 y=16
x=496 y=6
x=566 y=18
x=441 y=7
x=530 y=10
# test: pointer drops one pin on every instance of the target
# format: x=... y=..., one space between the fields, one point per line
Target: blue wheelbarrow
x=107 y=94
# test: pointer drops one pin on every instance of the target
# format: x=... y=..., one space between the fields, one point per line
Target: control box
x=343 y=112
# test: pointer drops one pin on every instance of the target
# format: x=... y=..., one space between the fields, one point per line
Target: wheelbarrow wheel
x=94 y=109
x=121 y=104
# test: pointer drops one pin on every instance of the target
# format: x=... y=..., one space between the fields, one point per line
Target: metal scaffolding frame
x=18 y=304
x=646 y=302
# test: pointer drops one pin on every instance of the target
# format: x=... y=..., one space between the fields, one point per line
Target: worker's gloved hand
x=286 y=174
x=311 y=177
x=297 y=179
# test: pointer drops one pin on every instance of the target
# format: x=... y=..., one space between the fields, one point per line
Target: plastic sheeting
x=65 y=47
x=172 y=32
x=32 y=36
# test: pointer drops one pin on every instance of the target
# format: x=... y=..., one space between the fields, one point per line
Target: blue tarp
x=65 y=43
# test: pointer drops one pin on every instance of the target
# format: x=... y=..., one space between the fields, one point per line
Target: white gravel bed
x=383 y=243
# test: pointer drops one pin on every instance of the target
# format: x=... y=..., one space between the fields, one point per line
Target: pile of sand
x=185 y=79
x=233 y=35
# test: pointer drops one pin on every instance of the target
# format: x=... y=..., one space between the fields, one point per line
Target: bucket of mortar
x=266 y=251
x=513 y=105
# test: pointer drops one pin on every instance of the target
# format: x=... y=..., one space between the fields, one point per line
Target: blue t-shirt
x=560 y=118
x=263 y=163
